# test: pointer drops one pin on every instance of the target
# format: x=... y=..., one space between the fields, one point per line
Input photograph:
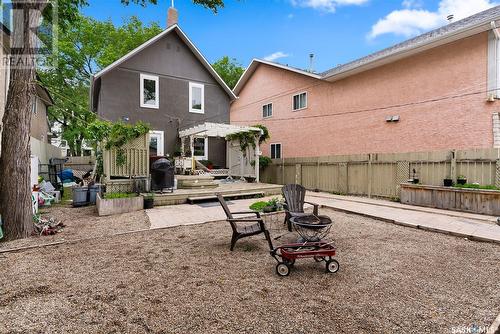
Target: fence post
x=343 y=180
x=497 y=177
x=317 y=175
x=370 y=175
x=453 y=169
x=298 y=173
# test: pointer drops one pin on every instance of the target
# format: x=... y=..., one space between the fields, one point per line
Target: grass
x=476 y=186
x=119 y=195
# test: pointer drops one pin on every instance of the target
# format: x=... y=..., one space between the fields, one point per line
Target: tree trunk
x=15 y=162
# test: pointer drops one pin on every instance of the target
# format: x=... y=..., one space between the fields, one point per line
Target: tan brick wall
x=348 y=116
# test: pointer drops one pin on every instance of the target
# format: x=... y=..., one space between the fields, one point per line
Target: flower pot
x=448 y=182
x=149 y=203
x=462 y=181
x=415 y=181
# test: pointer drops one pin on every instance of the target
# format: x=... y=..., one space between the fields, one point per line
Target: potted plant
x=448 y=182
x=177 y=153
x=461 y=179
x=415 y=179
x=187 y=154
x=149 y=201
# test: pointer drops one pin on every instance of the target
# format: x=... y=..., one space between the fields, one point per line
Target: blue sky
x=336 y=31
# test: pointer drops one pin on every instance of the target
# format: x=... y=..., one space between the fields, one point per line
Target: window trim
x=156 y=79
x=272 y=107
x=271 y=150
x=298 y=94
x=205 y=155
x=196 y=85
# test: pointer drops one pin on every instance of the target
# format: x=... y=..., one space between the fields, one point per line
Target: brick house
x=437 y=91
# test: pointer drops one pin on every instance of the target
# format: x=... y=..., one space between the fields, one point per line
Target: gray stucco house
x=167 y=83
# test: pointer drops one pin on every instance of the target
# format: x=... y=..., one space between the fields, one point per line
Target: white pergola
x=221 y=131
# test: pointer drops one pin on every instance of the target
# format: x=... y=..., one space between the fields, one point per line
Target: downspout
x=495 y=30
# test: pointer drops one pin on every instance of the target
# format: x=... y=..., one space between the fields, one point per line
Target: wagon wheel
x=282 y=269
x=332 y=266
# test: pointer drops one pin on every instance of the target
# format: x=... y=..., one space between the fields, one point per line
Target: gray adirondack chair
x=240 y=226
x=294 y=195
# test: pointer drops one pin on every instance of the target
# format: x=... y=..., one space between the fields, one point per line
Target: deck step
x=193 y=199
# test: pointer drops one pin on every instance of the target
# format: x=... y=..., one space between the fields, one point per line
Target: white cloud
x=412 y=20
x=412 y=3
x=276 y=56
x=328 y=6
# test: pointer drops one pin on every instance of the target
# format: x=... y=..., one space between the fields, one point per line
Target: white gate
x=239 y=165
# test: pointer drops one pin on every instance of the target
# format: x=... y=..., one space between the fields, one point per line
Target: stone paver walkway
x=478 y=227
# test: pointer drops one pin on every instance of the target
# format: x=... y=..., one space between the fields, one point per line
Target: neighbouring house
x=437 y=91
x=40 y=127
x=167 y=83
x=4 y=71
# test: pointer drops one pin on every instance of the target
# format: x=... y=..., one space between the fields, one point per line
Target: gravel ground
x=392 y=279
x=82 y=223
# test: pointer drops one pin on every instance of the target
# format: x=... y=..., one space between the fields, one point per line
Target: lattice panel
x=121 y=186
x=402 y=174
x=136 y=156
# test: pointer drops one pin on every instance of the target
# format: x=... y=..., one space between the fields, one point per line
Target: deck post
x=257 y=159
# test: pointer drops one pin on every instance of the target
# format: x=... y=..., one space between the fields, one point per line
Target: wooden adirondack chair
x=294 y=195
x=242 y=230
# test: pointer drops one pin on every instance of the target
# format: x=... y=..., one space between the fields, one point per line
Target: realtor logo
x=28 y=38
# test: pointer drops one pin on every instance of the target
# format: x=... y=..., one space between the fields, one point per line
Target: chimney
x=311 y=62
x=173 y=16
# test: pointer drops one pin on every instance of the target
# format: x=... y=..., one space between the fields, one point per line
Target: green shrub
x=476 y=186
x=258 y=206
x=119 y=195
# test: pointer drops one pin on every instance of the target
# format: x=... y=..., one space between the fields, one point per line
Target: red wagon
x=312 y=230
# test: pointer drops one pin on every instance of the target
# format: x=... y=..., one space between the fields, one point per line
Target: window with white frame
x=196 y=98
x=150 y=91
x=300 y=101
x=200 y=148
x=275 y=151
x=267 y=110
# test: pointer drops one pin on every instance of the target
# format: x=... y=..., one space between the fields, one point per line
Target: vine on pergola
x=247 y=138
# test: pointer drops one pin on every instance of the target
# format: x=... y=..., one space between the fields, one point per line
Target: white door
x=156 y=142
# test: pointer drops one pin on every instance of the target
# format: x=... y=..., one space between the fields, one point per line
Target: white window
x=267 y=110
x=300 y=101
x=200 y=148
x=156 y=143
x=196 y=98
x=150 y=91
x=275 y=151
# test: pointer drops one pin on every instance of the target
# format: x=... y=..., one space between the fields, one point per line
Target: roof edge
x=153 y=40
x=255 y=62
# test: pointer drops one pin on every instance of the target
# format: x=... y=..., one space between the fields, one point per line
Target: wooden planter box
x=468 y=200
x=108 y=207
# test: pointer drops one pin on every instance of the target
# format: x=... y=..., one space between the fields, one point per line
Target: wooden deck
x=180 y=196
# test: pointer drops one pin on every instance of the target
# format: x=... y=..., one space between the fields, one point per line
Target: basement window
x=300 y=101
x=150 y=87
x=275 y=151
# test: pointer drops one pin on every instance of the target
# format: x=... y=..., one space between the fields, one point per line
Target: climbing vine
x=114 y=136
x=247 y=138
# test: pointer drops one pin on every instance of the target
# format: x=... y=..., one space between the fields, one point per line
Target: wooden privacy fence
x=381 y=174
x=136 y=159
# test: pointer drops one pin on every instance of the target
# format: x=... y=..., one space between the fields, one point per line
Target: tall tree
x=15 y=170
x=84 y=49
x=229 y=69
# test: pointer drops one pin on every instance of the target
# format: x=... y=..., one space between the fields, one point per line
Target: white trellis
x=221 y=131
